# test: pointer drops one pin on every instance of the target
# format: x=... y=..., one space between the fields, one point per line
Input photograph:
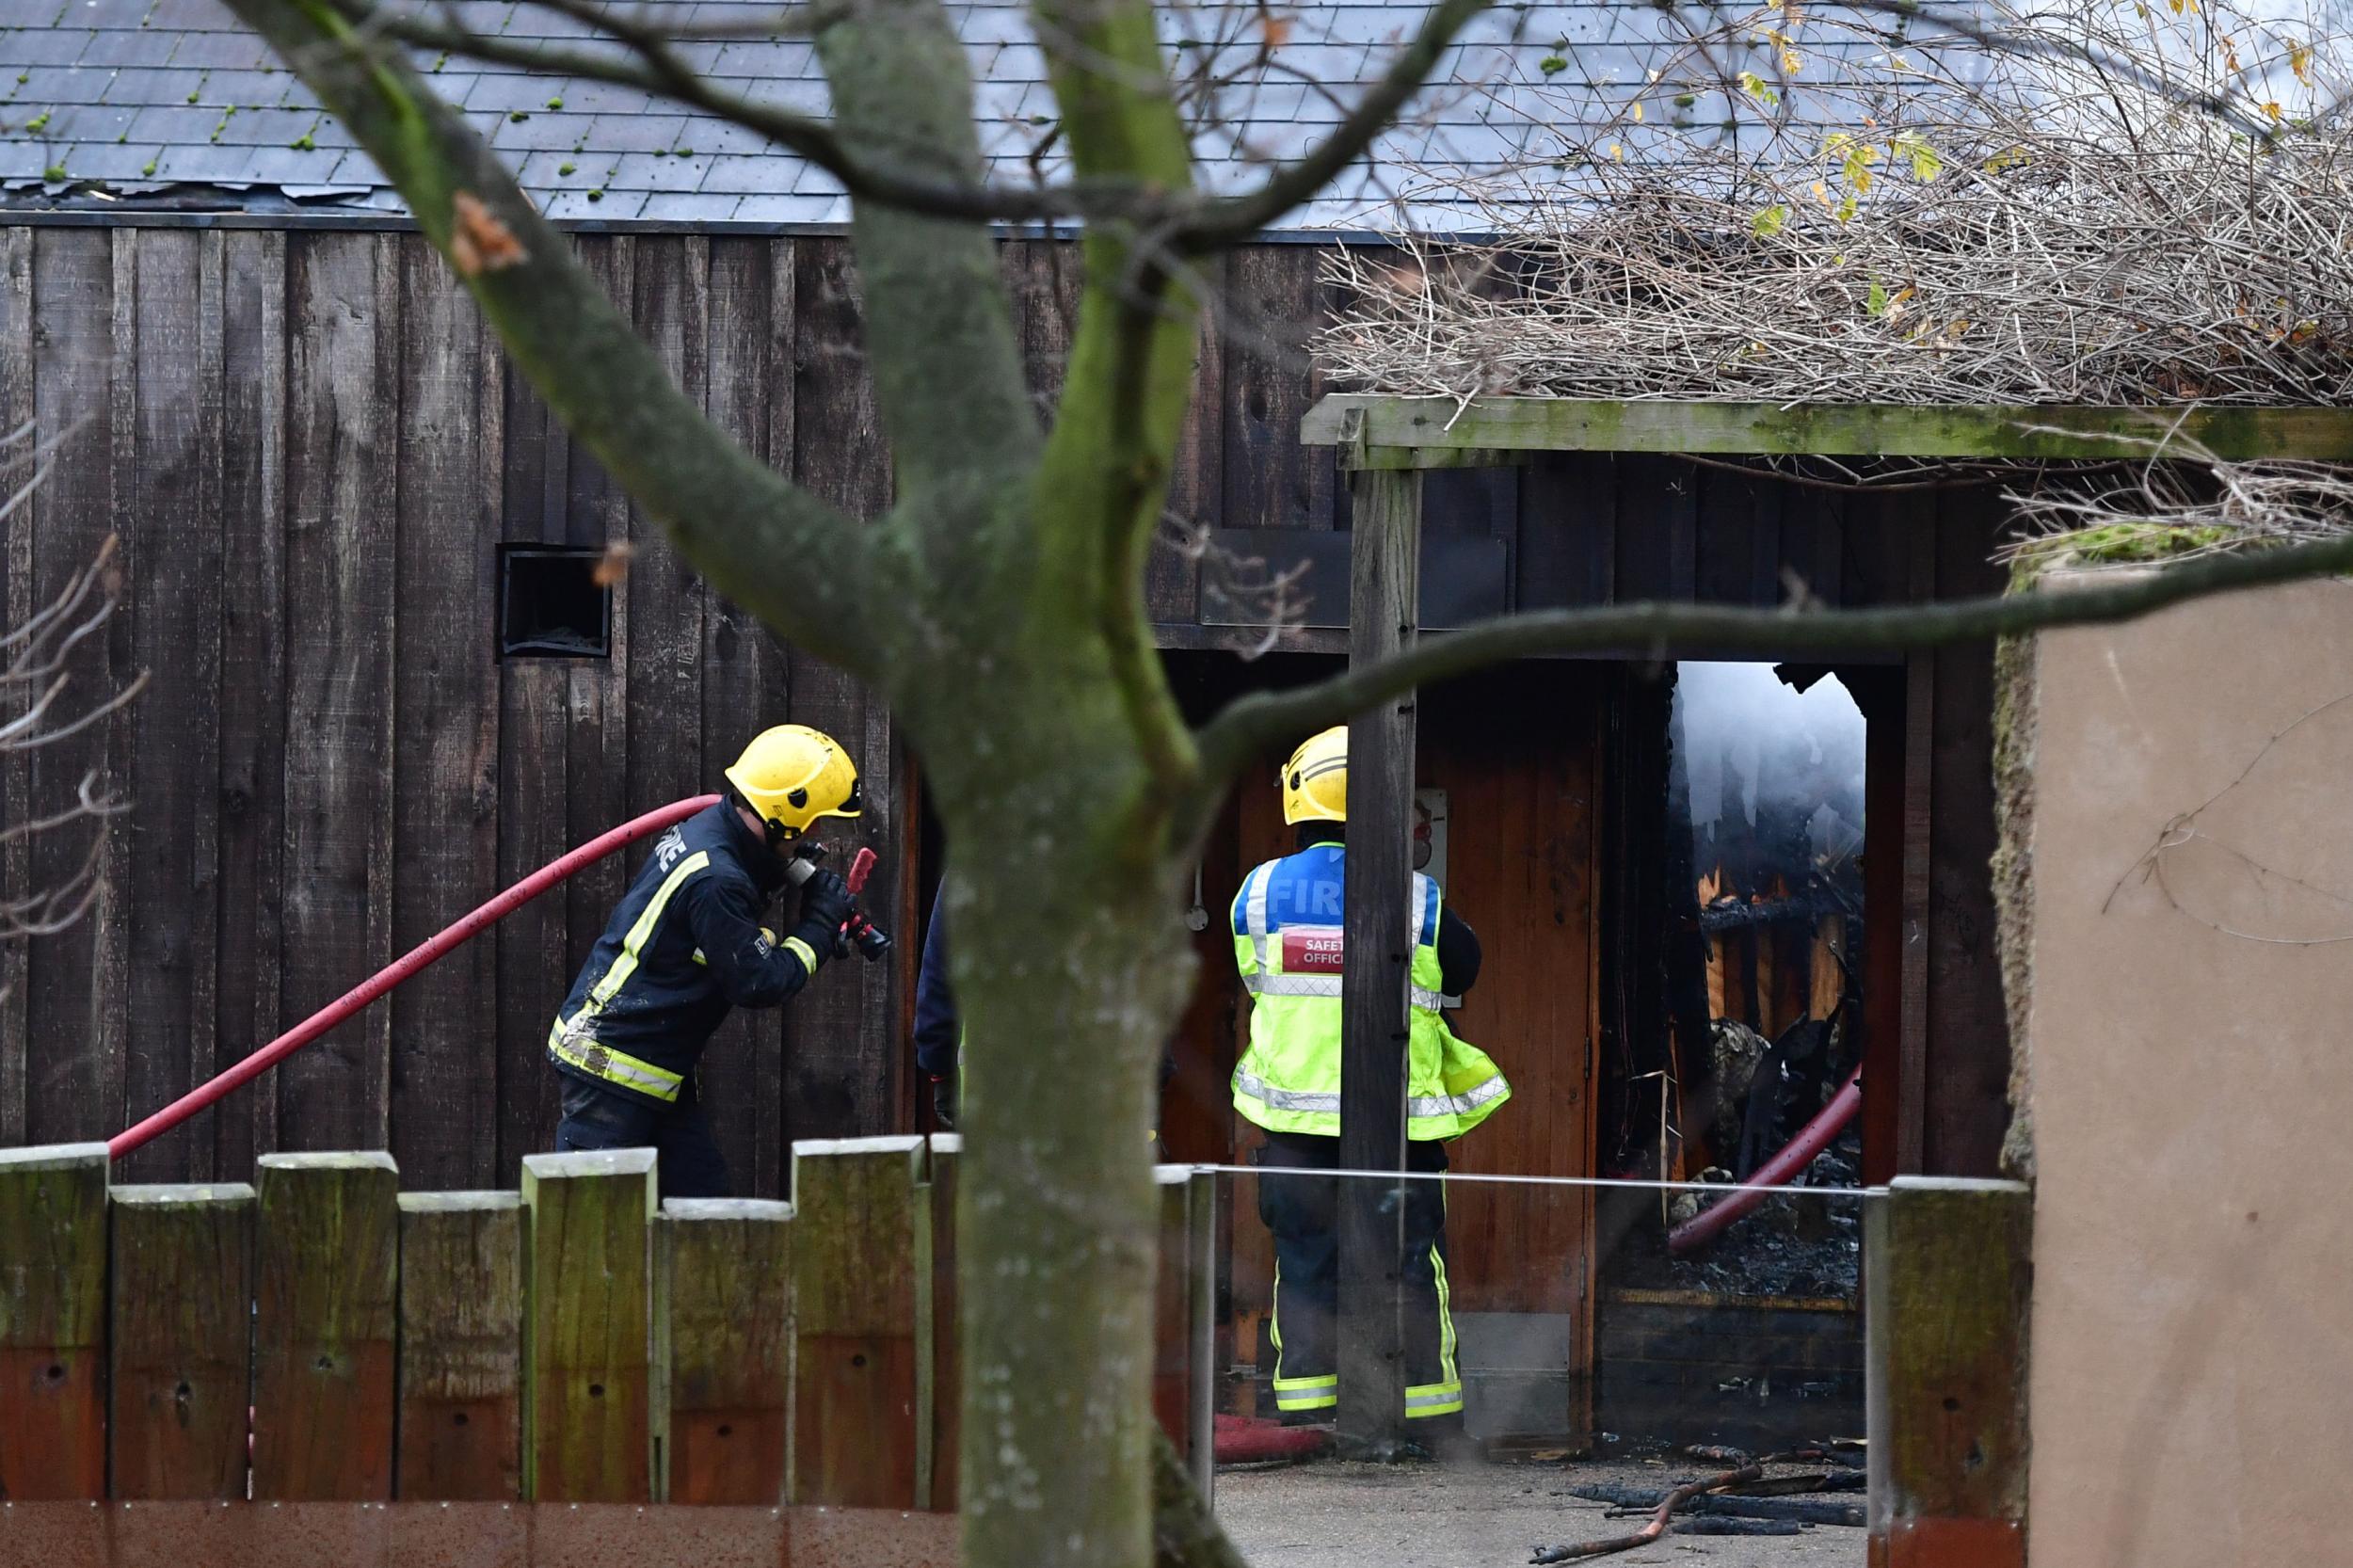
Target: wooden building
x=319 y=467
x=354 y=547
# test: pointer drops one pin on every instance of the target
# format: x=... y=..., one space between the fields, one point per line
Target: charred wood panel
x=252 y=777
x=170 y=495
x=1273 y=302
x=1967 y=1087
x=743 y=685
x=1753 y=1374
x=444 y=1066
x=836 y=1079
x=343 y=479
x=1172 y=583
x=16 y=409
x=1568 y=531
x=74 y=1013
x=1658 y=529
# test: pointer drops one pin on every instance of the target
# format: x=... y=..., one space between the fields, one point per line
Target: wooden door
x=1516 y=752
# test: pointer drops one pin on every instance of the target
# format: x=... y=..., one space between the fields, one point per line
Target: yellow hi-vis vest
x=1288 y=943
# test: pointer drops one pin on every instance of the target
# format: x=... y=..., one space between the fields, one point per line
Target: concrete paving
x=1335 y=1515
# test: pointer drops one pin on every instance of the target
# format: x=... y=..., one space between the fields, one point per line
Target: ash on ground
x=1802 y=1243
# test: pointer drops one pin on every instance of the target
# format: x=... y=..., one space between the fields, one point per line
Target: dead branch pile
x=2167 y=511
x=2159 y=211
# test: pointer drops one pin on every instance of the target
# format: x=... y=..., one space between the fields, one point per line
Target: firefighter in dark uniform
x=687 y=945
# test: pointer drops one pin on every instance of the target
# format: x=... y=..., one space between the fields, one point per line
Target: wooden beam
x=724 y=1299
x=588 y=1418
x=1948 y=1277
x=461 y=1342
x=1384 y=590
x=1426 y=432
x=326 y=1266
x=53 y=1323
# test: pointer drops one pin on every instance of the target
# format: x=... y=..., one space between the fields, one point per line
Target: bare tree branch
x=1254 y=723
x=33 y=714
x=657 y=70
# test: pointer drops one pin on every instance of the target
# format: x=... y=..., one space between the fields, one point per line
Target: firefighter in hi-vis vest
x=1288 y=943
x=686 y=946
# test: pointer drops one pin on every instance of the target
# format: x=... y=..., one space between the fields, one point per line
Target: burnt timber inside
x=1389 y=446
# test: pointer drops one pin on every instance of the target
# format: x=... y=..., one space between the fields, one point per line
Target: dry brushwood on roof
x=2169 y=220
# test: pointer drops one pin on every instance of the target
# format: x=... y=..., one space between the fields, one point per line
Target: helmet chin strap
x=775 y=833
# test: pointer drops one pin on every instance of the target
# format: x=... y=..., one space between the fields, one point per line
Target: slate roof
x=172 y=102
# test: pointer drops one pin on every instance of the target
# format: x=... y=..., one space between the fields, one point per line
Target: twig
x=1657 y=1526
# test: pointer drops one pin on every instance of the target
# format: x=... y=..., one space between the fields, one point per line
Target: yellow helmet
x=793 y=774
x=1315 y=780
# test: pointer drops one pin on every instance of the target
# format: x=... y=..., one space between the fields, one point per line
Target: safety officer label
x=1311 y=950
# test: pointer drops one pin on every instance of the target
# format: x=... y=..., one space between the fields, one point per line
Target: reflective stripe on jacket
x=684 y=948
x=1288 y=945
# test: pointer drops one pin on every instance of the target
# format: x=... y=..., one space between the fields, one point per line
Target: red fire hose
x=1811 y=1140
x=351 y=1001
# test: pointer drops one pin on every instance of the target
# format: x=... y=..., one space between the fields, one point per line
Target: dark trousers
x=688 y=1161
x=1302 y=1213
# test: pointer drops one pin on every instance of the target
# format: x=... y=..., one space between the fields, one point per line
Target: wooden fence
x=320 y=1337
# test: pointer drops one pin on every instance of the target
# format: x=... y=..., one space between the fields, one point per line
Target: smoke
x=1748 y=740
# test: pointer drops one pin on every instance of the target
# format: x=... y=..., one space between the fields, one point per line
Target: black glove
x=944 y=1103
x=826 y=902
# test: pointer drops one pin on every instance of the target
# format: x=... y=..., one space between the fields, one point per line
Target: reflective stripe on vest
x=598 y=1059
x=1262 y=984
x=1313 y=1102
x=569 y=1040
x=1289 y=948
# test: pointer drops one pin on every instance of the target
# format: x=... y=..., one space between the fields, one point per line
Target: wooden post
x=1201 y=1260
x=461 y=1346
x=1383 y=595
x=182 y=1338
x=1948 y=1280
x=947 y=1383
x=327 y=1266
x=859 y=1304
x=589 y=1427
x=53 y=1323
x=723 y=1314
x=1172 y=1310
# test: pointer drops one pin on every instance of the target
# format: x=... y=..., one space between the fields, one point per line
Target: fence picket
x=858 y=1303
x=52 y=1322
x=589 y=1427
x=181 y=1339
x=726 y=1301
x=461 y=1339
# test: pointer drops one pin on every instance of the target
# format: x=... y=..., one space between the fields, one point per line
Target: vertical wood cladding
x=311 y=449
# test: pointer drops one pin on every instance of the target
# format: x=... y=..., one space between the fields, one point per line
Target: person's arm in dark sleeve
x=752 y=970
x=1458 y=952
x=937 y=1030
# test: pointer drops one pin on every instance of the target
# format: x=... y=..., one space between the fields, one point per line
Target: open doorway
x=1738 y=910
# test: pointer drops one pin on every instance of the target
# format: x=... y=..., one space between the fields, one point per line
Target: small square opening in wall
x=550 y=605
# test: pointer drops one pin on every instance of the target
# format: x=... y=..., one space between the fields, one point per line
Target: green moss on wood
x=1831 y=429
x=326 y=1270
x=588 y=1420
x=724 y=1310
x=53 y=1323
x=461 y=1309
x=181 y=1330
